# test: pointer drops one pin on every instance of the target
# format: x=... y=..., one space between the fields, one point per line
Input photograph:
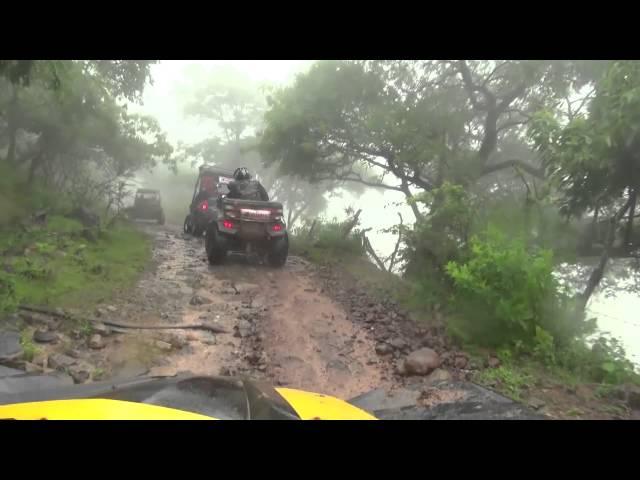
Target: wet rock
x=439 y=375
x=629 y=394
x=10 y=348
x=111 y=308
x=101 y=329
x=254 y=358
x=384 y=349
x=199 y=300
x=44 y=336
x=460 y=362
x=100 y=312
x=338 y=365
x=380 y=400
x=32 y=368
x=633 y=397
x=75 y=353
x=246 y=287
x=131 y=369
x=227 y=372
x=400 y=368
x=9 y=372
x=175 y=340
x=163 y=372
x=243 y=329
x=162 y=345
x=80 y=372
x=493 y=362
x=96 y=342
x=59 y=361
x=41 y=359
x=536 y=403
x=422 y=361
x=398 y=344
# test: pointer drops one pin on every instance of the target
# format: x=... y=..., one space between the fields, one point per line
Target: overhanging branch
x=513 y=163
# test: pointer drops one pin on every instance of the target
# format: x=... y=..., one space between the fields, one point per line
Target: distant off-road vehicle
x=147 y=206
x=211 y=183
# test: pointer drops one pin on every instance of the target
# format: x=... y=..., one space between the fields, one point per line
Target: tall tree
x=594 y=159
x=409 y=126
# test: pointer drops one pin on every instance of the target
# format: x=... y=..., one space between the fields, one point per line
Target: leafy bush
x=7 y=293
x=505 y=294
x=328 y=235
x=442 y=236
x=604 y=362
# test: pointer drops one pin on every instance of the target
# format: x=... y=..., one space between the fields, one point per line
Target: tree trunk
x=35 y=164
x=598 y=272
x=629 y=228
x=350 y=224
x=371 y=251
x=392 y=261
x=412 y=204
x=12 y=125
x=313 y=225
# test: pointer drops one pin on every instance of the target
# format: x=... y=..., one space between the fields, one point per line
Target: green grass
x=508 y=379
x=28 y=347
x=62 y=268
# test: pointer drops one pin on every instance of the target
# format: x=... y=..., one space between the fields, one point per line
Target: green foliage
x=7 y=293
x=505 y=293
x=29 y=349
x=442 y=236
x=327 y=238
x=507 y=378
x=592 y=160
x=604 y=362
x=61 y=268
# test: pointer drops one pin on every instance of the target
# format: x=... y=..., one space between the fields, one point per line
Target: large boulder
x=422 y=362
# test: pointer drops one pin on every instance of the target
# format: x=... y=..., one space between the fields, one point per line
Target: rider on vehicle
x=245 y=188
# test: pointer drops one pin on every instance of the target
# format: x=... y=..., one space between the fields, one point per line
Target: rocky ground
x=303 y=326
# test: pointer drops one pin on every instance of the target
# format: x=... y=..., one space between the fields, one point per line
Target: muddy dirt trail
x=281 y=325
x=302 y=326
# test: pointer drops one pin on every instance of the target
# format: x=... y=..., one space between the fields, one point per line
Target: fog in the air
x=165 y=99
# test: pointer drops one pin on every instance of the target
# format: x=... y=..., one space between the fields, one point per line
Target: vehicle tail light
x=227 y=224
x=204 y=206
x=276 y=227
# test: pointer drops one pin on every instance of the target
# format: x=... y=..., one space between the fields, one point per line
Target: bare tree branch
x=392 y=262
x=536 y=172
x=371 y=251
x=598 y=272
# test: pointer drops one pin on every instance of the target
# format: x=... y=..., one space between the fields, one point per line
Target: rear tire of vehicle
x=215 y=254
x=279 y=252
x=187 y=225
